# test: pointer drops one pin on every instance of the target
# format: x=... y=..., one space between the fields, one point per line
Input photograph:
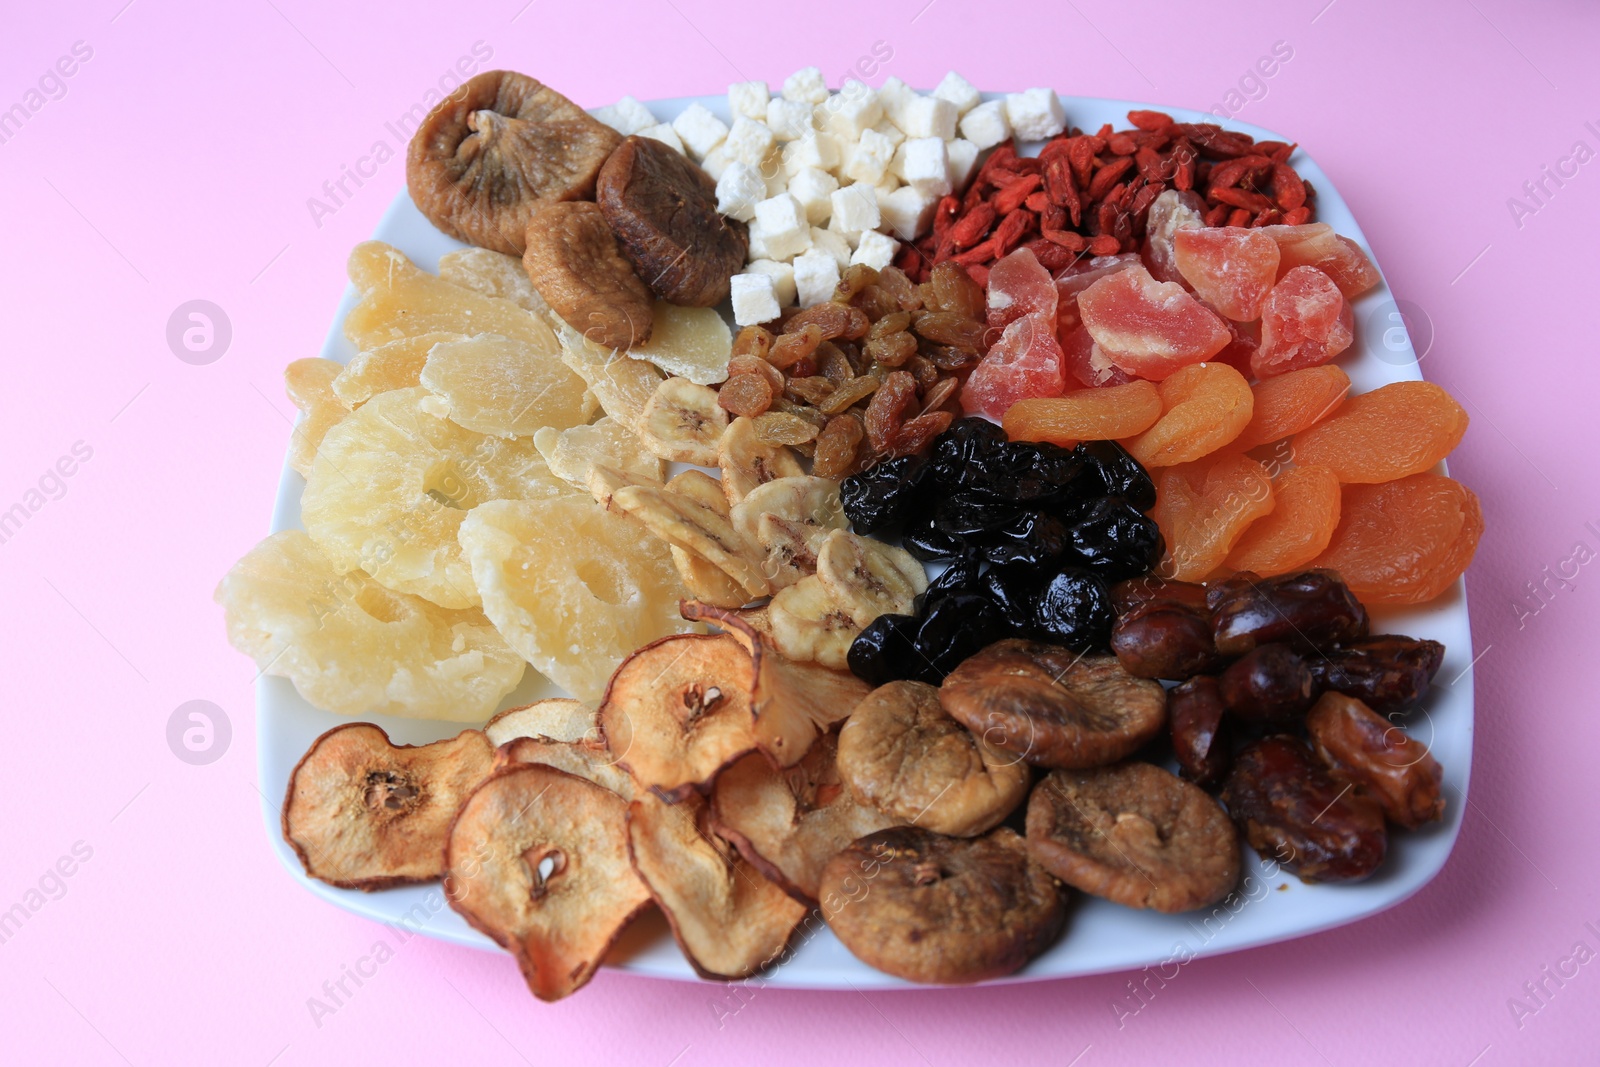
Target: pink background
x=178 y=165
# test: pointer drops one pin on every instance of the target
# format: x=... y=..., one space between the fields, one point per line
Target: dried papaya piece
x=1304 y=515
x=1406 y=541
x=1104 y=414
x=1203 y=407
x=1204 y=508
x=1293 y=402
x=1396 y=430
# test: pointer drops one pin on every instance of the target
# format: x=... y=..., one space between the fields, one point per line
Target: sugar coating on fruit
x=685 y=342
x=1304 y=515
x=492 y=273
x=1316 y=245
x=1019 y=285
x=1148 y=328
x=1230 y=267
x=1086 y=364
x=1305 y=322
x=1025 y=362
x=1170 y=212
x=309 y=383
x=571 y=453
x=390 y=366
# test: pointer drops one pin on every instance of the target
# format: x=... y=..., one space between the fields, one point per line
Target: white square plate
x=1269 y=906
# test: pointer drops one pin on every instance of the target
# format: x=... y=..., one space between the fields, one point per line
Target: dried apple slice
x=729 y=919
x=591 y=760
x=364 y=813
x=678 y=711
x=538 y=860
x=506 y=388
x=390 y=366
x=790 y=823
x=309 y=383
x=555 y=718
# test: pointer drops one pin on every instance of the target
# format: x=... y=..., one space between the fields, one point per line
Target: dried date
x=1386 y=672
x=1201 y=738
x=1364 y=748
x=1270 y=684
x=1313 y=609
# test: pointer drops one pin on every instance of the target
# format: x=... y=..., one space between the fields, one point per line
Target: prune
x=926 y=541
x=962 y=576
x=1269 y=684
x=1200 y=735
x=1364 y=748
x=1119 y=473
x=1292 y=811
x=1129 y=594
x=963 y=515
x=1015 y=471
x=954 y=628
x=886 y=650
x=966 y=444
x=1312 y=609
x=1164 y=639
x=1016 y=591
x=1111 y=537
x=1074 y=609
x=884 y=495
x=1386 y=672
x=1032 y=539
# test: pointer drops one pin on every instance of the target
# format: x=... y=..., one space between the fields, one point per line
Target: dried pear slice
x=392 y=365
x=392 y=483
x=555 y=718
x=591 y=760
x=790 y=823
x=573 y=588
x=364 y=813
x=747 y=461
x=571 y=453
x=693 y=527
x=537 y=859
x=353 y=647
x=682 y=422
x=400 y=299
x=494 y=385
x=786 y=521
x=623 y=386
x=678 y=710
x=309 y=383
x=496 y=274
x=496 y=150
x=729 y=919
x=688 y=342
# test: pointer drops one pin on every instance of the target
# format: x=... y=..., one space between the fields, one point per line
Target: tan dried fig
x=573 y=259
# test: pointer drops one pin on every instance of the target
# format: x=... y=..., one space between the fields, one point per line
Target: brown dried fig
x=495 y=151
x=573 y=260
x=663 y=210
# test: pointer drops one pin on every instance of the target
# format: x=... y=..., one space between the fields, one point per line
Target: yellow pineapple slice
x=353 y=647
x=571 y=452
x=394 y=365
x=507 y=388
x=309 y=383
x=622 y=385
x=493 y=273
x=692 y=343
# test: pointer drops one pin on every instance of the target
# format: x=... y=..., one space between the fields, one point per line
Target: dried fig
x=663 y=210
x=1134 y=834
x=573 y=259
x=496 y=150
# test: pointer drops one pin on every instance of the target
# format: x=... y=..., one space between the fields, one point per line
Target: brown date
x=1289 y=808
x=1130 y=593
x=1311 y=610
x=1364 y=748
x=1164 y=639
x=1270 y=684
x=1201 y=740
x=1386 y=672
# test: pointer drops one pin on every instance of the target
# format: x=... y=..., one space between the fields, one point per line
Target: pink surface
x=177 y=165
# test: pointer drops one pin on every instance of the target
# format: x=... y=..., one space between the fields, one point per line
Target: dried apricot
x=1085 y=415
x=1305 y=322
x=1404 y=542
x=1293 y=402
x=1204 y=508
x=1204 y=407
x=1304 y=514
x=1396 y=430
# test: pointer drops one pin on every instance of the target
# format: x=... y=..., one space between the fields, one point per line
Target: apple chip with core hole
x=571 y=587
x=570 y=453
x=901 y=752
x=1052 y=706
x=493 y=274
x=353 y=647
x=392 y=483
x=1134 y=834
x=392 y=365
x=400 y=299
x=678 y=711
x=554 y=718
x=591 y=760
x=309 y=383
x=538 y=860
x=622 y=385
x=364 y=813
x=729 y=919
x=506 y=388
x=789 y=823
x=930 y=908
x=693 y=343
x=497 y=149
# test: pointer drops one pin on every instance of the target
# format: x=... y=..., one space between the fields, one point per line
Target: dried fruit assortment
x=1066 y=382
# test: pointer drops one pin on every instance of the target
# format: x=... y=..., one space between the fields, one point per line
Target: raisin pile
x=1034 y=534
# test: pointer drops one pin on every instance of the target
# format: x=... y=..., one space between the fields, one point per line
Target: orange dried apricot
x=1204 y=508
x=1404 y=542
x=1203 y=407
x=1304 y=515
x=1397 y=430
x=1293 y=402
x=1106 y=414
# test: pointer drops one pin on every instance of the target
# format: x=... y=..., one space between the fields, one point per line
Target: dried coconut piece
x=353 y=647
x=495 y=385
x=572 y=452
x=554 y=718
x=309 y=383
x=390 y=366
x=364 y=813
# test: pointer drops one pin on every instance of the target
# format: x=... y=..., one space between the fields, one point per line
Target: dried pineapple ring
x=573 y=451
x=693 y=343
x=507 y=388
x=353 y=647
x=573 y=588
x=390 y=366
x=392 y=483
x=493 y=273
x=623 y=386
x=309 y=383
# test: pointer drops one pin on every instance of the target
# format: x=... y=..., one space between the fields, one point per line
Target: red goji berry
x=1298 y=217
x=1287 y=188
x=1012 y=196
x=1150 y=120
x=1109 y=175
x=1238 y=217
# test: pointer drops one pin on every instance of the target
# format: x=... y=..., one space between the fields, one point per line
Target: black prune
x=964 y=445
x=964 y=515
x=955 y=627
x=884 y=495
x=924 y=540
x=1016 y=591
x=1074 y=609
x=962 y=576
x=1032 y=539
x=1113 y=538
x=1119 y=473
x=886 y=650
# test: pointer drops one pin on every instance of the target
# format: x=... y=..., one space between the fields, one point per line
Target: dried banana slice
x=785 y=521
x=708 y=582
x=689 y=342
x=683 y=422
x=492 y=273
x=309 y=383
x=390 y=366
x=622 y=385
x=606 y=442
x=681 y=520
x=809 y=626
x=499 y=386
x=747 y=461
x=868 y=578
